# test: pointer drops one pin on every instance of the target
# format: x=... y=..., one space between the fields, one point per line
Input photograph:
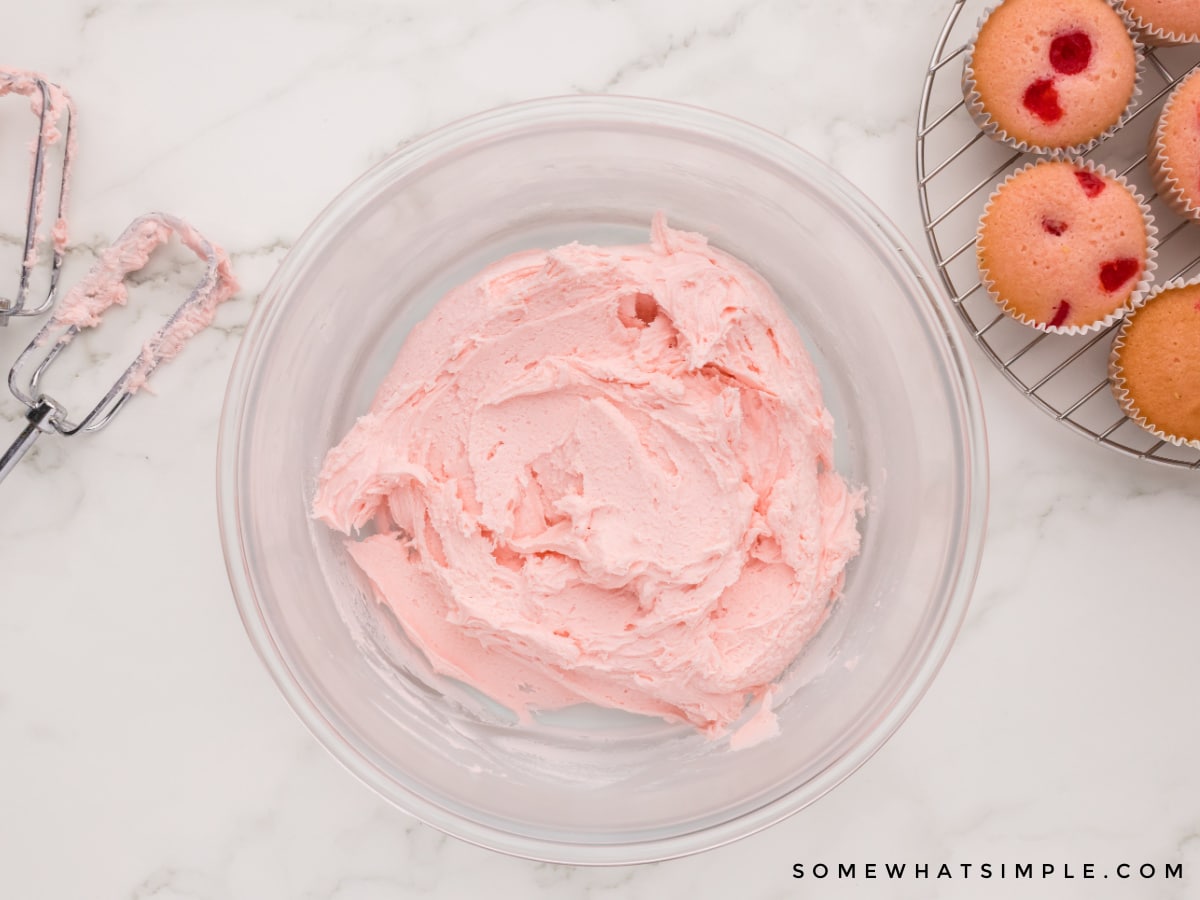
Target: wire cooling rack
x=957 y=170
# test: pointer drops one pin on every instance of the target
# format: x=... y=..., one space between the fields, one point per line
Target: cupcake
x=1066 y=247
x=1052 y=75
x=1175 y=149
x=1165 y=22
x=1155 y=364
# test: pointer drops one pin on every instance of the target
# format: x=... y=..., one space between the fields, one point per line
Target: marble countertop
x=146 y=753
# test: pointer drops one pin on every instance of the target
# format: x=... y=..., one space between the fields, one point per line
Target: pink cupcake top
x=1179 y=19
x=1054 y=74
x=1063 y=247
x=1177 y=145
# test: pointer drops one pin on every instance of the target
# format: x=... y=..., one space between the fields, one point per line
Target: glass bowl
x=587 y=785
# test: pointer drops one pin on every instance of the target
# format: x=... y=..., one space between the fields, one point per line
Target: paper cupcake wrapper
x=1136 y=296
x=1165 y=180
x=1155 y=35
x=990 y=127
x=1116 y=378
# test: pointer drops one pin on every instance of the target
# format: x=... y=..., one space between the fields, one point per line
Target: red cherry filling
x=1060 y=313
x=1053 y=226
x=1116 y=272
x=645 y=308
x=1070 y=53
x=638 y=310
x=1092 y=184
x=1041 y=99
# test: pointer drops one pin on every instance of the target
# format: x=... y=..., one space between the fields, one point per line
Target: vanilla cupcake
x=1049 y=76
x=1155 y=364
x=1175 y=149
x=1165 y=22
x=1066 y=247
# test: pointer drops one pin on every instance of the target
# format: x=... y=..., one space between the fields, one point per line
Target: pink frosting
x=762 y=725
x=602 y=474
x=104 y=286
x=15 y=81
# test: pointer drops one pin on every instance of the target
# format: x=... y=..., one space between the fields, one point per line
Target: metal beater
x=41 y=94
x=24 y=379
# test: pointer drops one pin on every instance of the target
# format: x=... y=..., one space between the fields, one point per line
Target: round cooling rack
x=958 y=167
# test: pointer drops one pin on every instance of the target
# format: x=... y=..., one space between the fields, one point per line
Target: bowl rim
x=615 y=109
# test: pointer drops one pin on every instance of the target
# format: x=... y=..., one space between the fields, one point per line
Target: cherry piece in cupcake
x=1041 y=99
x=1065 y=247
x=1071 y=53
x=1175 y=149
x=1091 y=183
x=1049 y=75
x=1155 y=364
x=1165 y=22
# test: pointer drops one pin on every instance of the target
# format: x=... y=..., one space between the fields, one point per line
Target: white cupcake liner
x=991 y=127
x=1140 y=290
x=1156 y=36
x=1116 y=379
x=1165 y=181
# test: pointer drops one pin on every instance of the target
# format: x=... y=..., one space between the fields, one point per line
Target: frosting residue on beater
x=26 y=84
x=104 y=286
x=603 y=474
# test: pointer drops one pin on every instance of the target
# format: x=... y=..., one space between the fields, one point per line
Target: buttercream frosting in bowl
x=533 y=439
x=602 y=474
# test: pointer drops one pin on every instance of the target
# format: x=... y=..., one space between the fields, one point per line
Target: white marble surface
x=144 y=752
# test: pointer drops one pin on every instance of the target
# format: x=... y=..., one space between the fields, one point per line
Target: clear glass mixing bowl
x=586 y=786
